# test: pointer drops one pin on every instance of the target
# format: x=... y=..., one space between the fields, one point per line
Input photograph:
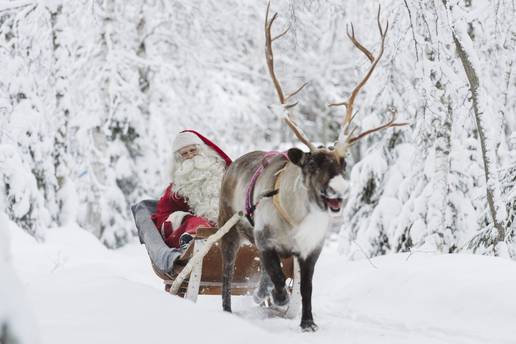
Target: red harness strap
x=249 y=206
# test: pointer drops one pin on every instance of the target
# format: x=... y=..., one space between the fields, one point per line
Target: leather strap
x=276 y=199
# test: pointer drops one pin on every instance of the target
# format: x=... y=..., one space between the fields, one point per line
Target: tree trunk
x=439 y=199
x=488 y=156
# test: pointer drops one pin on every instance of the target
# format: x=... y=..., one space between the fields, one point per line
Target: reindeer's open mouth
x=334 y=204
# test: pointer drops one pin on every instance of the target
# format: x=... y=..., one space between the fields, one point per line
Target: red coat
x=171 y=202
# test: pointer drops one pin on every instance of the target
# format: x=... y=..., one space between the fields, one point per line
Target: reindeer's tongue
x=334 y=203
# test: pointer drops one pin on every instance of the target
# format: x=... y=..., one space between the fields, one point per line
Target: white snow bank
x=15 y=315
x=464 y=296
x=88 y=305
x=84 y=293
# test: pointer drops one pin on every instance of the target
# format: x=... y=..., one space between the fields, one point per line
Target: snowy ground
x=82 y=293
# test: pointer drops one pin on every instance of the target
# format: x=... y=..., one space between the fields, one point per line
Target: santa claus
x=191 y=200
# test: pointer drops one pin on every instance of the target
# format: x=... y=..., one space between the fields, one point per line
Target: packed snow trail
x=81 y=292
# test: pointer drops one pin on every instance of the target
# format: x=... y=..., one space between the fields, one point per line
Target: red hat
x=210 y=144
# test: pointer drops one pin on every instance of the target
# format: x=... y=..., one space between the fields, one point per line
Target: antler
x=389 y=124
x=342 y=146
x=269 y=57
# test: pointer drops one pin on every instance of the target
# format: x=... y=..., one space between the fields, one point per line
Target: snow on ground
x=81 y=292
x=16 y=321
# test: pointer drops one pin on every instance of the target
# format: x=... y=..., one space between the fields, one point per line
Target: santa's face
x=188 y=152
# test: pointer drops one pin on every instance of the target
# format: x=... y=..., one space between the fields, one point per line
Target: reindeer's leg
x=272 y=264
x=307 y=266
x=264 y=286
x=230 y=244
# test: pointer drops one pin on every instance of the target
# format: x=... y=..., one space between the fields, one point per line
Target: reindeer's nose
x=330 y=191
x=337 y=187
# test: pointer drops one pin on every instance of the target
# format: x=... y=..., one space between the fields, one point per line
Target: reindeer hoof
x=280 y=298
x=260 y=296
x=259 y=299
x=308 y=326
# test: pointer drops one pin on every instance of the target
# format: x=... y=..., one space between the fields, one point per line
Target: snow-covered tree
x=484 y=118
x=508 y=183
x=26 y=140
x=436 y=203
x=92 y=93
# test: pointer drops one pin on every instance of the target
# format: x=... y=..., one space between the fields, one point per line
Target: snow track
x=83 y=293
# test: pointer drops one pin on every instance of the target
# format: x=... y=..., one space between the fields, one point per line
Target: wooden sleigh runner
x=198 y=270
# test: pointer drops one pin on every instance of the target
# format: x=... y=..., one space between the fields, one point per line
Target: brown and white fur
x=311 y=186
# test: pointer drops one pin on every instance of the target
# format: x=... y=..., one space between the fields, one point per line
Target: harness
x=249 y=206
x=276 y=200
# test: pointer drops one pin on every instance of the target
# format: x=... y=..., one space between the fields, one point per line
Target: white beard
x=198 y=180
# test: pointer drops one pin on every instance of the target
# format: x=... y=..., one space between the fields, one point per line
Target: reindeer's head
x=322 y=176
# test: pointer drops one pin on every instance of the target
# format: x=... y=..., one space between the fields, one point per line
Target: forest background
x=92 y=93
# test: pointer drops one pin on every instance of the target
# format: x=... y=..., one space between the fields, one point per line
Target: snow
x=15 y=316
x=93 y=92
x=14 y=311
x=81 y=292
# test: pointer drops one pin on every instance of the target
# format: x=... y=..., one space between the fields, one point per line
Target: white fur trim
x=185 y=139
x=176 y=218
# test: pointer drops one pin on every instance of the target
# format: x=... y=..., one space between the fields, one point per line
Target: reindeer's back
x=238 y=177
x=235 y=181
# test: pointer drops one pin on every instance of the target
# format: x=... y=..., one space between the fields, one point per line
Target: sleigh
x=198 y=269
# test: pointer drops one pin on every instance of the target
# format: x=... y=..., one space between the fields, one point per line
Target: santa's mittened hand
x=166 y=229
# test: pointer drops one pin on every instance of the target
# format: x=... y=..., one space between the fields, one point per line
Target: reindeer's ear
x=296 y=156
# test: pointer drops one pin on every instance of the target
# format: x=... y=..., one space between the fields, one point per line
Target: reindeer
x=288 y=197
